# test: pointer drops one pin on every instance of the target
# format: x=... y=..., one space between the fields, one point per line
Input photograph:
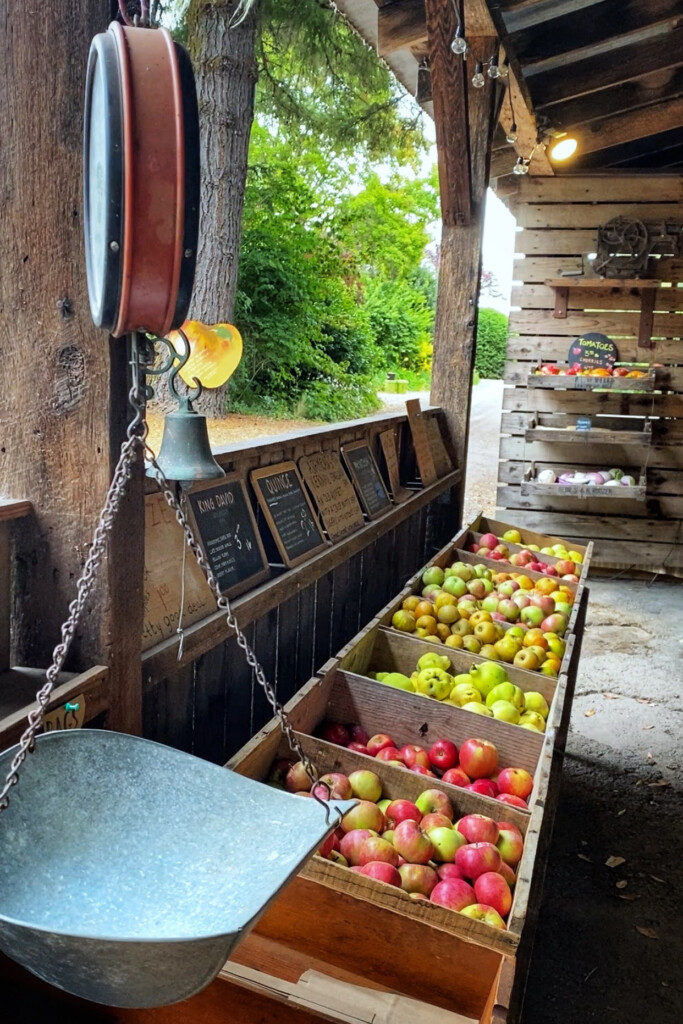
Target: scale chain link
x=224 y=605
x=117 y=489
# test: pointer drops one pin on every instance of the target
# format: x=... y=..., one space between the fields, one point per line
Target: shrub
x=492 y=334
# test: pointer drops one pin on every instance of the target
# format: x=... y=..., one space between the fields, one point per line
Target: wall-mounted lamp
x=563 y=147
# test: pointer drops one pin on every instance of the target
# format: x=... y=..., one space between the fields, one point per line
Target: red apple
x=333 y=732
x=412 y=843
x=378 y=742
x=358 y=735
x=477 y=828
x=381 y=872
x=456 y=777
x=556 y=623
x=509 y=826
x=401 y=810
x=333 y=786
x=418 y=878
x=510 y=846
x=486 y=787
x=565 y=566
x=435 y=820
x=350 y=845
x=492 y=889
x=419 y=770
x=374 y=848
x=412 y=755
x=360 y=748
x=445 y=871
x=389 y=754
x=330 y=844
x=508 y=874
x=477 y=858
x=453 y=894
x=364 y=815
x=443 y=754
x=479 y=758
x=516 y=781
x=542 y=601
x=513 y=801
x=297 y=781
x=431 y=800
x=488 y=540
x=482 y=912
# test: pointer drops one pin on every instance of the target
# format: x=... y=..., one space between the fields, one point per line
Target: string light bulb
x=503 y=70
x=459 y=44
x=478 y=80
x=521 y=167
x=511 y=136
x=563 y=148
x=493 y=69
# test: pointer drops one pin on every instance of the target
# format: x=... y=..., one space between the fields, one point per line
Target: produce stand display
x=457 y=969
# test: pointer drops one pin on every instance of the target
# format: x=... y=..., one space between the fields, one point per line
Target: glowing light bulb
x=563 y=149
x=478 y=80
x=459 y=44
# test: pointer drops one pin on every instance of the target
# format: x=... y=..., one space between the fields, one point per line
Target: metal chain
x=224 y=605
x=117 y=489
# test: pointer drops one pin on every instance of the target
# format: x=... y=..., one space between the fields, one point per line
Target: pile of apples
x=498 y=616
x=484 y=690
x=490 y=546
x=576 y=370
x=474 y=767
x=466 y=865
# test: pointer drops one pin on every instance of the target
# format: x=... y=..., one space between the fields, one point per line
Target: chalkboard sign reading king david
x=230 y=539
x=288 y=512
x=593 y=351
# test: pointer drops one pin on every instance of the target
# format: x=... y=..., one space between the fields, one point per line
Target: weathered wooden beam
x=659 y=85
x=449 y=94
x=608 y=21
x=613 y=131
x=597 y=73
x=400 y=24
x=66 y=392
x=515 y=104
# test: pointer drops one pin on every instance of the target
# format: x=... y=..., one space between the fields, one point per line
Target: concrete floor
x=609 y=945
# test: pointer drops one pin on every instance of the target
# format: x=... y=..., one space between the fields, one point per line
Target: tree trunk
x=225 y=70
x=63 y=382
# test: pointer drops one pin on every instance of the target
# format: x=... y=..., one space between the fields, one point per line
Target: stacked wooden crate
x=637 y=527
x=357 y=943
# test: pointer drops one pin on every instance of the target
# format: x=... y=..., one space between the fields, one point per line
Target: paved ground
x=609 y=946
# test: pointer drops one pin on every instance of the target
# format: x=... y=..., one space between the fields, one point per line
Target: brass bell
x=185 y=453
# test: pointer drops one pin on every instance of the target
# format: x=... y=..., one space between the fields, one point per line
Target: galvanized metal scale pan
x=129 y=871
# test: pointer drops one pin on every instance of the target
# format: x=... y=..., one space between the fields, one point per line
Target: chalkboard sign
x=366 y=477
x=228 y=533
x=288 y=512
x=423 y=450
x=593 y=351
x=332 y=492
x=388 y=441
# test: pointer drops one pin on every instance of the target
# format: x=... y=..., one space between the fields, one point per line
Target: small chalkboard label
x=366 y=477
x=332 y=492
x=593 y=351
x=229 y=536
x=288 y=512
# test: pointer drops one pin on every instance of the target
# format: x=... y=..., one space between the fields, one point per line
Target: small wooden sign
x=388 y=441
x=423 y=450
x=66 y=717
x=164 y=547
x=593 y=351
x=228 y=534
x=366 y=477
x=442 y=462
x=332 y=492
x=288 y=512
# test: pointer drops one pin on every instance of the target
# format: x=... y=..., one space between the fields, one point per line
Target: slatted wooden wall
x=558 y=218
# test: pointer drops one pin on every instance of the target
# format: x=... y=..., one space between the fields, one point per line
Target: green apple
x=512 y=537
x=461 y=569
x=456 y=586
x=486 y=675
x=508 y=692
x=504 y=711
x=433 y=575
x=536 y=702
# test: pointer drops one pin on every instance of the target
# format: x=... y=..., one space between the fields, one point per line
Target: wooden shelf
x=646 y=286
x=571 y=383
x=596 y=435
x=10 y=508
x=602 y=283
x=638 y=493
x=18 y=688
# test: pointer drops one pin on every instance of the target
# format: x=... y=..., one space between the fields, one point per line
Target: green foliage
x=401 y=323
x=492 y=335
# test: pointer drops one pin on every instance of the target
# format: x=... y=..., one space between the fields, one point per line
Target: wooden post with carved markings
x=64 y=383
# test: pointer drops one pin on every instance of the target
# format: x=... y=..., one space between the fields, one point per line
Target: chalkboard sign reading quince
x=288 y=512
x=593 y=351
x=229 y=536
x=366 y=477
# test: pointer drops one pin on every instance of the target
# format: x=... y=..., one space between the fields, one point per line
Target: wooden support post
x=64 y=383
x=646 y=324
x=461 y=239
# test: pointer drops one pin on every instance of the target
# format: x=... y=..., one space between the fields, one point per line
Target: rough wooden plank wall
x=557 y=223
